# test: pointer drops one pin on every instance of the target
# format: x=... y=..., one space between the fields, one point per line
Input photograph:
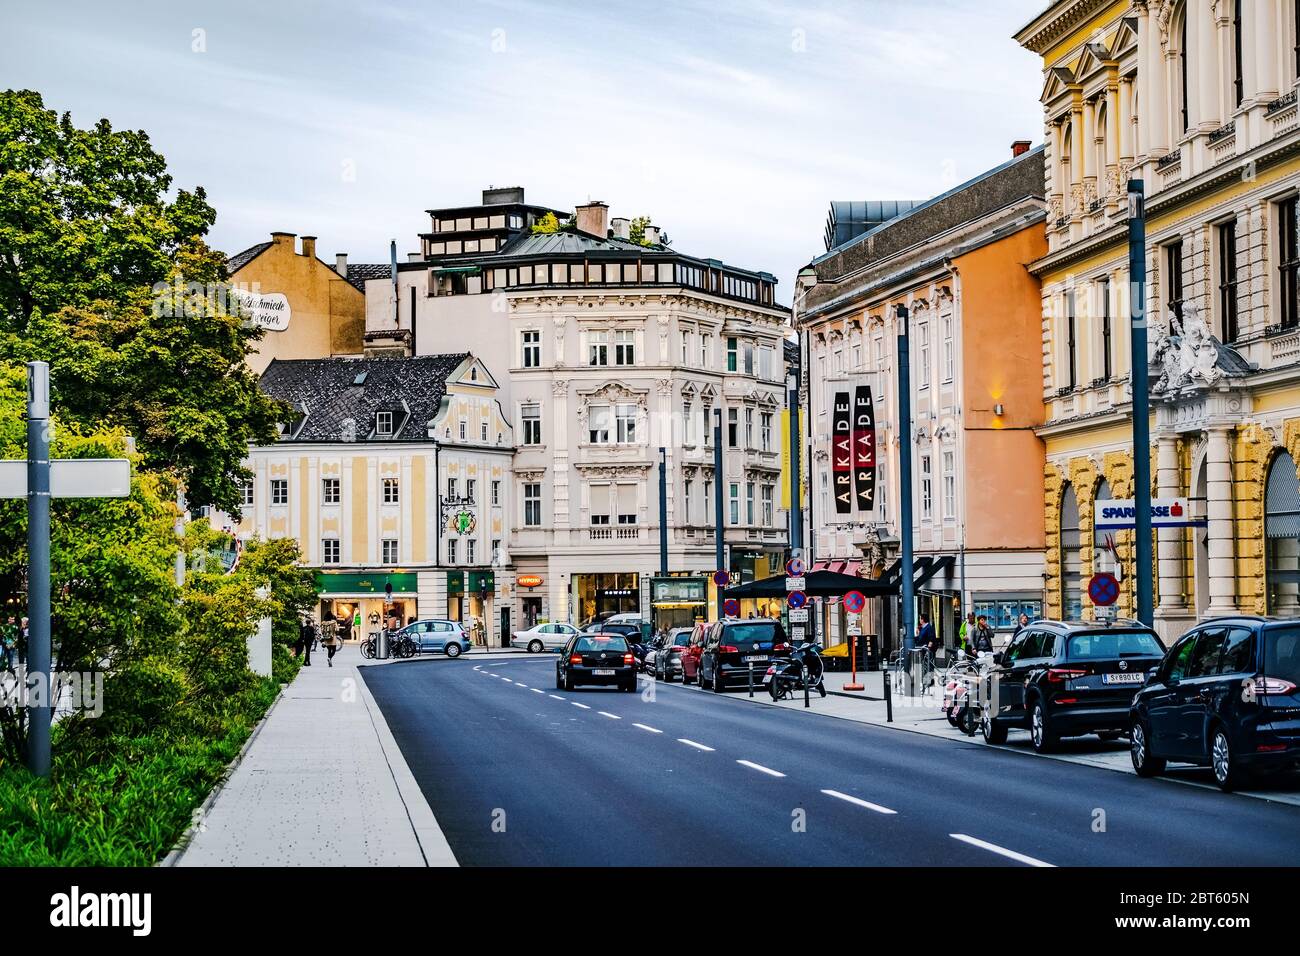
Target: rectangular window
x=533 y=505
x=749 y=428
x=765 y=364
x=1071 y=346
x=390 y=551
x=624 y=347
x=708 y=502
x=598 y=348
x=923 y=355
x=471 y=485
x=733 y=427
x=464 y=429
x=927 y=488
x=329 y=492
x=735 y=503
x=329 y=551
x=279 y=491
x=451 y=551
x=483 y=431
x=496 y=492
x=949 y=354
x=1174 y=279
x=706 y=348
x=748 y=352
x=1227 y=236
x=625 y=504
x=1288 y=264
x=451 y=487
x=471 y=551
x=765 y=430
x=949 y=486
x=686 y=348
x=625 y=424
x=1103 y=292
x=688 y=423
x=688 y=491
x=768 y=515
x=531 y=418
x=731 y=354
x=246 y=492
x=749 y=503
x=532 y=346
x=383 y=424
x=496 y=550
x=707 y=438
x=390 y=491
x=598 y=424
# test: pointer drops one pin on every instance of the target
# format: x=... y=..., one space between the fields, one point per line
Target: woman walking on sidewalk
x=330 y=638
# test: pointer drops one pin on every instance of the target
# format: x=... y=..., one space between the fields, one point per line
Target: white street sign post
x=38 y=480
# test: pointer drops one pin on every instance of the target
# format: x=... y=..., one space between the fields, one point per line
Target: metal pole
x=718 y=525
x=663 y=512
x=38 y=568
x=1137 y=275
x=905 y=476
x=796 y=482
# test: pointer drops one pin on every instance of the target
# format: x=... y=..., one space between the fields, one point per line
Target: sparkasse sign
x=1120 y=514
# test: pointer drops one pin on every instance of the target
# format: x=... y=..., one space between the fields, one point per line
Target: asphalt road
x=518 y=773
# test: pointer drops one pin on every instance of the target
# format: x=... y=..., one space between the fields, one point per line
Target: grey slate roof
x=360 y=272
x=241 y=259
x=326 y=390
x=549 y=243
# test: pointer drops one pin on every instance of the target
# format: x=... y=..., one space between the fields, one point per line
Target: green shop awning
x=478 y=581
x=469 y=270
x=348 y=582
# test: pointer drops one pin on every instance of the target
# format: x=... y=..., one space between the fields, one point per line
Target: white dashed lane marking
x=652 y=730
x=605 y=713
x=760 y=768
x=1000 y=850
x=859 y=801
x=692 y=743
x=558 y=697
x=576 y=704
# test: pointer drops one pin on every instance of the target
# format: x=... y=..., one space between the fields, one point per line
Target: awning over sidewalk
x=845 y=566
x=816 y=584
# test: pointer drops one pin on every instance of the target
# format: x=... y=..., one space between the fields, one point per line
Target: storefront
x=359 y=602
x=678 y=601
x=470 y=600
x=530 y=591
x=615 y=593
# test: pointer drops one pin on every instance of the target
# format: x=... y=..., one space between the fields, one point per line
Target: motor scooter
x=788 y=676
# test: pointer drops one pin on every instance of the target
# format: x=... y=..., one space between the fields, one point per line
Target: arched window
x=1099 y=161
x=1282 y=536
x=1071 y=557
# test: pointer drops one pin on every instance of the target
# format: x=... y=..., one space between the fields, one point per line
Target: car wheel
x=1040 y=731
x=452 y=649
x=568 y=683
x=994 y=733
x=719 y=685
x=1139 y=748
x=1228 y=772
x=534 y=647
x=559 y=681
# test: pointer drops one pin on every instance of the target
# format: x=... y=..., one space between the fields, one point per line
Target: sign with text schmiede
x=268 y=310
x=1120 y=514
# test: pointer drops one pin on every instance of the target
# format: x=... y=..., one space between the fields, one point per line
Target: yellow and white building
x=1197 y=98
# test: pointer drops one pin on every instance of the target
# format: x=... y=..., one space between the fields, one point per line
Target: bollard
x=803 y=671
x=889 y=695
x=751 y=678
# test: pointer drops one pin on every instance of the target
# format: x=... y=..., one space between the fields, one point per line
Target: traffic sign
x=854 y=602
x=796 y=599
x=796 y=632
x=798 y=614
x=795 y=567
x=795 y=584
x=721 y=578
x=731 y=607
x=853 y=625
x=1103 y=589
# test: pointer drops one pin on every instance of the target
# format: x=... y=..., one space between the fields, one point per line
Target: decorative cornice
x=1056 y=22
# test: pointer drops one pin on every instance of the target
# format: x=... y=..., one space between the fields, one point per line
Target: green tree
x=547 y=224
x=112 y=282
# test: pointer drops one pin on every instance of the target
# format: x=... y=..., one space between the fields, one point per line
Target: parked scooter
x=787 y=677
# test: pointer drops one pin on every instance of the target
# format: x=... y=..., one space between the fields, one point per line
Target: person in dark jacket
x=982 y=639
x=926 y=636
x=306 y=636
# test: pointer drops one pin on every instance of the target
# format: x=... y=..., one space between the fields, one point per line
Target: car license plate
x=755 y=659
x=604 y=672
x=1122 y=678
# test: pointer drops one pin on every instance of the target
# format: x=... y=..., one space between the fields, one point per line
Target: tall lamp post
x=1137 y=277
x=905 y=476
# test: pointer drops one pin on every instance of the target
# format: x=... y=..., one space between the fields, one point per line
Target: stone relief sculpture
x=1184 y=355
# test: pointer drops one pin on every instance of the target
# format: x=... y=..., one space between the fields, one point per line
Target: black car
x=1068 y=678
x=1225 y=696
x=601 y=659
x=732 y=646
x=638 y=636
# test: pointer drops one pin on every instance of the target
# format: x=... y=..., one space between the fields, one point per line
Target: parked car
x=690 y=656
x=449 y=637
x=668 y=658
x=600 y=659
x=733 y=645
x=1225 y=696
x=637 y=632
x=1068 y=678
x=543 y=637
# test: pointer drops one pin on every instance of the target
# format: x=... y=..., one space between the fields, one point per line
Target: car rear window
x=761 y=631
x=601 y=644
x=682 y=639
x=1110 y=645
x=1282 y=653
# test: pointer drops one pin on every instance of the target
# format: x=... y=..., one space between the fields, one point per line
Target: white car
x=543 y=637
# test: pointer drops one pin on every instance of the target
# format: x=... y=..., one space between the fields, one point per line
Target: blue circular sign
x=731 y=607
x=1103 y=589
x=796 y=599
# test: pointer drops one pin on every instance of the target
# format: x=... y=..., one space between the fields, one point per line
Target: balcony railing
x=1281 y=103
x=1169 y=160
x=1224 y=131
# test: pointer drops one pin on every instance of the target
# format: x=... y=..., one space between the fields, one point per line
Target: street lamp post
x=905 y=476
x=663 y=512
x=1137 y=274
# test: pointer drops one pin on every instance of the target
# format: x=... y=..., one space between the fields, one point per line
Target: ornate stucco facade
x=1197 y=98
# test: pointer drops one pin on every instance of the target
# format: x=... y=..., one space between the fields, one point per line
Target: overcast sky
x=732 y=123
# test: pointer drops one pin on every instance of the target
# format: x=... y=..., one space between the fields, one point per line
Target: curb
x=428 y=834
x=183 y=842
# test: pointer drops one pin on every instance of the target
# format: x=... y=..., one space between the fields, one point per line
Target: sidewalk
x=322 y=783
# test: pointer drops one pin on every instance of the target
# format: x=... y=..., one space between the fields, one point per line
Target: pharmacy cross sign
x=38 y=480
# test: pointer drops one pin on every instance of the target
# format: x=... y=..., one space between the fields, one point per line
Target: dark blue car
x=1225 y=696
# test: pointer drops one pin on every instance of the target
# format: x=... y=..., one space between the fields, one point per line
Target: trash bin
x=381 y=644
x=916 y=672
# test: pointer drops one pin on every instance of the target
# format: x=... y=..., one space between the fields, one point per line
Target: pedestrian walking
x=305 y=637
x=926 y=637
x=965 y=633
x=982 y=636
x=331 y=640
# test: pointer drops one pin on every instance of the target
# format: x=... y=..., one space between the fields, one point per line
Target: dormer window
x=384 y=424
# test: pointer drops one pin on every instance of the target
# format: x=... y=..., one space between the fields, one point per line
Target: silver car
x=543 y=637
x=449 y=637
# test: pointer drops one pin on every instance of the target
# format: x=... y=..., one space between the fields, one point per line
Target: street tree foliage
x=105 y=273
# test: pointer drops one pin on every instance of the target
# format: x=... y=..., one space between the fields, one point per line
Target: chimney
x=593 y=219
x=280 y=238
x=652 y=235
x=1020 y=147
x=341 y=263
x=621 y=228
x=309 y=246
x=503 y=195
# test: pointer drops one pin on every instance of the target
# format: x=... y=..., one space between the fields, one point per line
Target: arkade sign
x=864 y=448
x=1121 y=514
x=842 y=454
